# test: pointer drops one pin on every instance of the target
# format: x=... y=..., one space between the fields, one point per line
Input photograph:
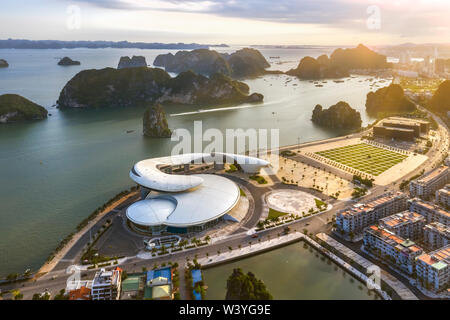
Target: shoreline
x=48 y=266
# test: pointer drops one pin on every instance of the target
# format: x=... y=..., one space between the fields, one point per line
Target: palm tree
x=207 y=238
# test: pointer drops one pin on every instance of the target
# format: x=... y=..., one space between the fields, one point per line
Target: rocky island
x=440 y=102
x=243 y=63
x=140 y=86
x=338 y=116
x=134 y=62
x=387 y=100
x=66 y=61
x=3 y=63
x=14 y=108
x=339 y=64
x=155 y=122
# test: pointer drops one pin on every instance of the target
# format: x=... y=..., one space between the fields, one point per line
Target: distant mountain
x=242 y=63
x=57 y=44
x=142 y=86
x=15 y=108
x=389 y=99
x=338 y=116
x=441 y=98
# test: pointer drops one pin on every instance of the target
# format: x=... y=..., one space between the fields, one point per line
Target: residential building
x=443 y=196
x=433 y=269
x=106 y=285
x=397 y=251
x=406 y=224
x=436 y=235
x=82 y=293
x=361 y=215
x=430 y=211
x=427 y=185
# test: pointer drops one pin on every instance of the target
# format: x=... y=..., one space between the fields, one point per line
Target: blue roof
x=196 y=277
x=164 y=272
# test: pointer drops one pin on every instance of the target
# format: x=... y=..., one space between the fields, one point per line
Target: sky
x=251 y=22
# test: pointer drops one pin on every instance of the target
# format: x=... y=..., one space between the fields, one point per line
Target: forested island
x=140 y=86
x=14 y=108
x=440 y=102
x=66 y=61
x=387 y=100
x=155 y=122
x=338 y=116
x=3 y=63
x=339 y=64
x=242 y=63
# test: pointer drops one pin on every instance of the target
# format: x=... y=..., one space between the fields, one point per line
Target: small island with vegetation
x=3 y=63
x=66 y=61
x=338 y=116
x=14 y=108
x=388 y=100
x=339 y=64
x=242 y=286
x=440 y=102
x=142 y=86
x=246 y=62
x=155 y=122
x=134 y=62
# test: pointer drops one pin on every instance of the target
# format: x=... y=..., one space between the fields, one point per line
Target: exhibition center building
x=180 y=203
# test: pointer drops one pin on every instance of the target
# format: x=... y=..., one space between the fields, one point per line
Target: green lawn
x=275 y=213
x=364 y=157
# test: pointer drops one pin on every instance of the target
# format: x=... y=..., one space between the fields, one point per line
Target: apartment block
x=436 y=235
x=106 y=285
x=443 y=196
x=427 y=185
x=431 y=212
x=406 y=224
x=395 y=250
x=361 y=215
x=433 y=269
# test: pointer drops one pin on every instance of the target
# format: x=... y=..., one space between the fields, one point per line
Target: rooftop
x=402 y=218
x=372 y=204
x=432 y=175
x=212 y=199
x=429 y=206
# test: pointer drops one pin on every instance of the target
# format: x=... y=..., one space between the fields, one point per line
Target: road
x=56 y=279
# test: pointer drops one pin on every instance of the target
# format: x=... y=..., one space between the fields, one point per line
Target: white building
x=430 y=211
x=436 y=235
x=433 y=269
x=427 y=185
x=361 y=215
x=406 y=224
x=106 y=285
x=180 y=203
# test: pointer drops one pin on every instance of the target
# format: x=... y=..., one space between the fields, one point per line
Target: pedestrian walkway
x=394 y=283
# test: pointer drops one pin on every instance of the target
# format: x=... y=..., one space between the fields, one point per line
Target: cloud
x=405 y=18
x=288 y=11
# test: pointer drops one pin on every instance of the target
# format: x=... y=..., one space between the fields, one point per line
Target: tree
x=242 y=286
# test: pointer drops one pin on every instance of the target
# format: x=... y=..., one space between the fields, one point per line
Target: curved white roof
x=146 y=172
x=213 y=198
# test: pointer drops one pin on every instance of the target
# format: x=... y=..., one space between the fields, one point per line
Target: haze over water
x=54 y=173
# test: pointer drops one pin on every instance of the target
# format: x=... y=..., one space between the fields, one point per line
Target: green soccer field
x=364 y=157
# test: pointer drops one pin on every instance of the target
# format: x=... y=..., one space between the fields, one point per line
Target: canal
x=295 y=272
